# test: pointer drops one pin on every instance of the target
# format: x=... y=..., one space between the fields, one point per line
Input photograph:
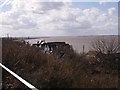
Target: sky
x=31 y=18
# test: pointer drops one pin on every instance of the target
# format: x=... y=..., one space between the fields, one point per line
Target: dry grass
x=51 y=71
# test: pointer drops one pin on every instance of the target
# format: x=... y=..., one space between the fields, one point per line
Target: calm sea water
x=77 y=42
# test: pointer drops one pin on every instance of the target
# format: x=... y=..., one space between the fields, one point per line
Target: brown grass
x=51 y=71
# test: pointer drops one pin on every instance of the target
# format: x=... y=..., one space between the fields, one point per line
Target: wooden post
x=83 y=49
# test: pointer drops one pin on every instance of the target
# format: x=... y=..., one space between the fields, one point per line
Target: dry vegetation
x=54 y=71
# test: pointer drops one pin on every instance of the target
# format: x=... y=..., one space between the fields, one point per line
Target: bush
x=45 y=70
x=108 y=52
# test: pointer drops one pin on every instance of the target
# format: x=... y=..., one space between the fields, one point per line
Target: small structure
x=49 y=47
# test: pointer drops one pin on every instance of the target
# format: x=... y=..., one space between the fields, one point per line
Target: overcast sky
x=35 y=18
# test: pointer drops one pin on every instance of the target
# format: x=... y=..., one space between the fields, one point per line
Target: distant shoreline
x=37 y=37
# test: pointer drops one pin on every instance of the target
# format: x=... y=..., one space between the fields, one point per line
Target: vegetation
x=106 y=46
x=70 y=70
x=108 y=51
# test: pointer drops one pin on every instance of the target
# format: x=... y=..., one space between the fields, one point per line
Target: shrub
x=51 y=70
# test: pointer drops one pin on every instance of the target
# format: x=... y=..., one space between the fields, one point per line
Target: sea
x=77 y=42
